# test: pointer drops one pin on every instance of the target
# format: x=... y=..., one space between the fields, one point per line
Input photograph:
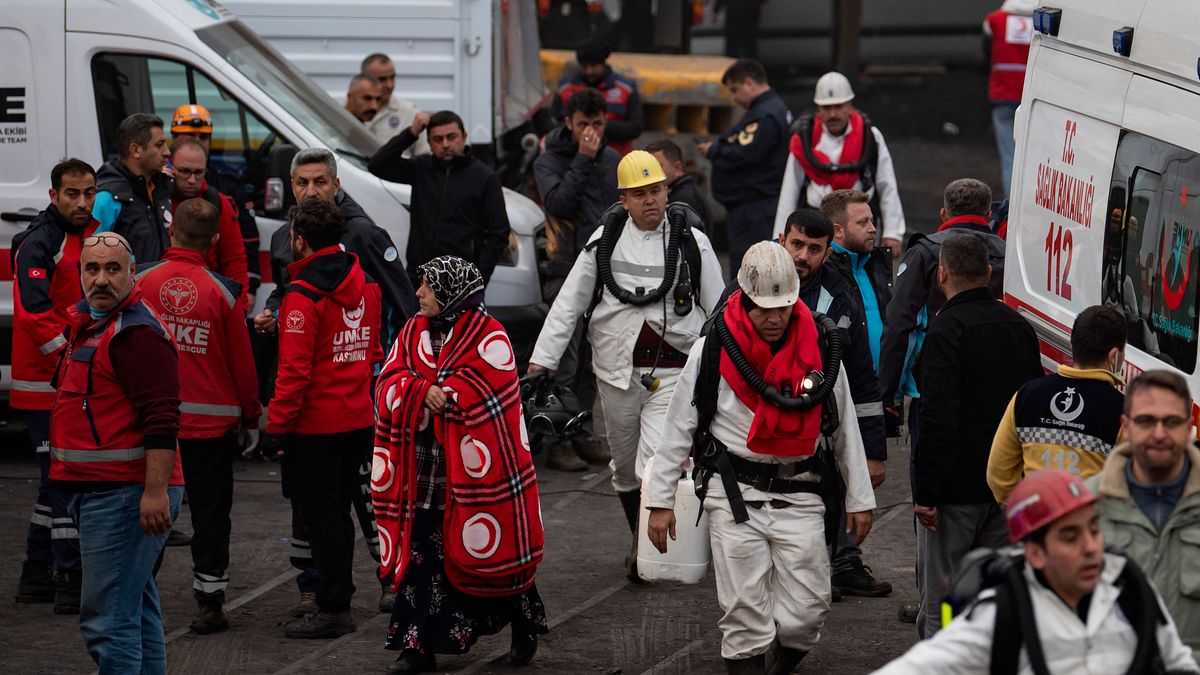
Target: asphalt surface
x=600 y=622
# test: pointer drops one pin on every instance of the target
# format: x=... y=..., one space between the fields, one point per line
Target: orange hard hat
x=191 y=119
x=1042 y=498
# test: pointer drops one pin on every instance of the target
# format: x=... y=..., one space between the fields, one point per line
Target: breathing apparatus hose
x=1014 y=583
x=806 y=400
x=613 y=219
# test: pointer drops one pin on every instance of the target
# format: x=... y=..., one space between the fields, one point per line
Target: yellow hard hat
x=191 y=119
x=638 y=169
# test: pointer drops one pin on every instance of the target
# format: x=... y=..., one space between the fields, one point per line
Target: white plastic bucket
x=688 y=555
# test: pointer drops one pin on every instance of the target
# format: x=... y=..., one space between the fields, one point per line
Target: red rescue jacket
x=203 y=313
x=329 y=341
x=1011 y=35
x=617 y=90
x=228 y=256
x=45 y=286
x=95 y=436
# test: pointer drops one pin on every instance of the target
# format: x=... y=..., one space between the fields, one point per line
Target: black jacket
x=829 y=294
x=917 y=297
x=748 y=162
x=879 y=270
x=456 y=210
x=234 y=187
x=977 y=354
x=684 y=190
x=575 y=191
x=141 y=221
x=377 y=255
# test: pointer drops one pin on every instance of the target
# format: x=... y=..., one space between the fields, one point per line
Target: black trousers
x=322 y=480
x=208 y=475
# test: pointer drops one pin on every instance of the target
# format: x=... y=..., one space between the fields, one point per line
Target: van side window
x=1150 y=261
x=129 y=83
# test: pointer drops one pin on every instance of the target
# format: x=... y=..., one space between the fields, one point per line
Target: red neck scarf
x=851 y=152
x=774 y=431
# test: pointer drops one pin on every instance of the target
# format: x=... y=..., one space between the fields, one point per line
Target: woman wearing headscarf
x=452 y=479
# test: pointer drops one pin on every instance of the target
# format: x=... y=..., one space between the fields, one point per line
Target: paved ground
x=600 y=622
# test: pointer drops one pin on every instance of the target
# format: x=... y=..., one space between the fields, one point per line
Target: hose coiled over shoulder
x=832 y=362
x=610 y=223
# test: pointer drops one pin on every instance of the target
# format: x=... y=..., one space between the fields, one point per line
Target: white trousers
x=772 y=574
x=633 y=423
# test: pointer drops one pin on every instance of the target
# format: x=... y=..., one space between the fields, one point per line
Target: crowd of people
x=142 y=371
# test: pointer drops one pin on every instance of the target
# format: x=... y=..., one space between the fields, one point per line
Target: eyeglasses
x=1170 y=422
x=190 y=173
x=109 y=240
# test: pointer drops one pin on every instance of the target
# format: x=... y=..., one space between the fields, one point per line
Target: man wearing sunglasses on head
x=1150 y=494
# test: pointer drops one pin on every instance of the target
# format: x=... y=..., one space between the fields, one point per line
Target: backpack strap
x=1145 y=614
x=1007 y=638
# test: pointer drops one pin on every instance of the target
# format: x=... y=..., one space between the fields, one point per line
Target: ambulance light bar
x=1123 y=40
x=1046 y=20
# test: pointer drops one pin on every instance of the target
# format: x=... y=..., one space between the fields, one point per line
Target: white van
x=1105 y=203
x=72 y=70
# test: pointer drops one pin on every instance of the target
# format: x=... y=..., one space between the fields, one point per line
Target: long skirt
x=433 y=617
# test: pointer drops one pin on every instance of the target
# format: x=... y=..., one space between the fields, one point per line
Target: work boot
x=908 y=611
x=631 y=504
x=522 y=648
x=320 y=626
x=212 y=617
x=782 y=660
x=387 y=601
x=66 y=596
x=36 y=583
x=755 y=665
x=178 y=538
x=306 y=606
x=858 y=581
x=563 y=458
x=591 y=450
x=412 y=662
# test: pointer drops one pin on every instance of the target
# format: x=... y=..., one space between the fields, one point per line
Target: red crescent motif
x=383 y=472
x=481 y=535
x=524 y=434
x=476 y=458
x=425 y=350
x=385 y=547
x=494 y=349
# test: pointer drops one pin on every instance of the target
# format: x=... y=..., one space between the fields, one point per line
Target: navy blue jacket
x=749 y=160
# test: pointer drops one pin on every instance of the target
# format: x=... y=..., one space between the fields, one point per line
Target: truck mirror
x=277 y=196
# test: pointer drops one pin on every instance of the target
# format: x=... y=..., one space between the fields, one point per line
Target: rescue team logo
x=37 y=273
x=353 y=317
x=746 y=136
x=494 y=349
x=1180 y=266
x=178 y=296
x=481 y=535
x=1018 y=30
x=476 y=458
x=295 y=321
x=1066 y=405
x=394 y=122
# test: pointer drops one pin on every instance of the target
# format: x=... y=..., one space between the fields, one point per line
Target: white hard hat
x=768 y=276
x=833 y=89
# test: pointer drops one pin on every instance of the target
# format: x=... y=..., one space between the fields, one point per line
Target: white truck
x=73 y=69
x=1105 y=203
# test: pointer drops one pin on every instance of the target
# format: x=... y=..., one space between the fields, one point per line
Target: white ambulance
x=1105 y=203
x=73 y=69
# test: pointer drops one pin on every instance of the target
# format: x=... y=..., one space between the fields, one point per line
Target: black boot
x=755 y=665
x=212 y=617
x=523 y=647
x=782 y=660
x=631 y=503
x=412 y=662
x=36 y=583
x=320 y=626
x=66 y=596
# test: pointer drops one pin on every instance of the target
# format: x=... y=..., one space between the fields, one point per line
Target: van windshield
x=291 y=89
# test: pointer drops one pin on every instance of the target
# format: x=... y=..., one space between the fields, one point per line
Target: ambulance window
x=1159 y=225
x=129 y=83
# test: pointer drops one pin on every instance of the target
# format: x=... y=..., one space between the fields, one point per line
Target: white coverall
x=893 y=226
x=395 y=117
x=633 y=416
x=1105 y=645
x=772 y=571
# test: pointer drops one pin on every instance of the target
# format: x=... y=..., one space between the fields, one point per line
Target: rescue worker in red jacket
x=321 y=419
x=218 y=390
x=624 y=105
x=113 y=432
x=1007 y=34
x=45 y=285
x=227 y=256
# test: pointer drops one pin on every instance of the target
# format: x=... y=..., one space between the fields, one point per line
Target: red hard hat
x=1042 y=498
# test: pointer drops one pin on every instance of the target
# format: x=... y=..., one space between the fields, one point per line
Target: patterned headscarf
x=457 y=285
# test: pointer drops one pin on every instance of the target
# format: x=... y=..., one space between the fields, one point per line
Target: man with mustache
x=113 y=435
x=133 y=195
x=1150 y=491
x=457 y=201
x=45 y=285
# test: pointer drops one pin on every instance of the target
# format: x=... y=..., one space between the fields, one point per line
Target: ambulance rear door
x=31 y=129
x=1069 y=124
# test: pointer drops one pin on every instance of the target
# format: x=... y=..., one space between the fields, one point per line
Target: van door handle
x=18 y=217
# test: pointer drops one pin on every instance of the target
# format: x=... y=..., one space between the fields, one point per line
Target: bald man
x=113 y=430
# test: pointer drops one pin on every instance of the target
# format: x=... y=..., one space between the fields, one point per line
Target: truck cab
x=1105 y=203
x=73 y=70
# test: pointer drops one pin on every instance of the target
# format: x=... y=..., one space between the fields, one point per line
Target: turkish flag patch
x=37 y=273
